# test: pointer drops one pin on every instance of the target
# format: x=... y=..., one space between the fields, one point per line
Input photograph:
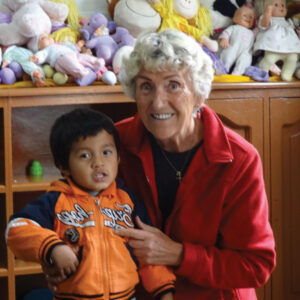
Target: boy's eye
x=84 y=155
x=107 y=152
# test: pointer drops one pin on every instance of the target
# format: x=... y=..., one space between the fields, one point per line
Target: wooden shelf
x=3 y=272
x=24 y=268
x=2 y=189
x=22 y=183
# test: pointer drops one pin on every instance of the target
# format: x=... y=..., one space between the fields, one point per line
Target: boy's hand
x=65 y=259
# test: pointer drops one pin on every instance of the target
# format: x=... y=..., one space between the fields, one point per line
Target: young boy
x=72 y=225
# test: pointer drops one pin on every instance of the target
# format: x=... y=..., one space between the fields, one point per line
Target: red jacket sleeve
x=245 y=254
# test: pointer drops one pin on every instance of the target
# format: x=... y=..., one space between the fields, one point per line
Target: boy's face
x=93 y=162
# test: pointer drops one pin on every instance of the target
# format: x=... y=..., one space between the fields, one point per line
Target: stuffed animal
x=21 y=55
x=105 y=46
x=237 y=41
x=277 y=38
x=137 y=16
x=187 y=16
x=29 y=19
x=97 y=25
x=65 y=59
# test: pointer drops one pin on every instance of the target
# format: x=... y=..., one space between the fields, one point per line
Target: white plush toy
x=30 y=18
x=136 y=16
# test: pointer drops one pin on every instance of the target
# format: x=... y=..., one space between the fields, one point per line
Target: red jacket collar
x=216 y=145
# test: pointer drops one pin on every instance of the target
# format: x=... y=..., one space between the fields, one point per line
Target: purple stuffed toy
x=97 y=21
x=106 y=46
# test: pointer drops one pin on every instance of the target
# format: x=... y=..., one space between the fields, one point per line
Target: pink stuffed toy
x=30 y=18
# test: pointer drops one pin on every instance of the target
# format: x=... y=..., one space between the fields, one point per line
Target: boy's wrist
x=49 y=254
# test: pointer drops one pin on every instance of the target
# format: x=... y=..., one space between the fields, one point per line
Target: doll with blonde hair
x=188 y=17
x=276 y=37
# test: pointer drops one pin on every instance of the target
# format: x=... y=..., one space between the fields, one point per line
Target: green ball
x=60 y=78
x=49 y=71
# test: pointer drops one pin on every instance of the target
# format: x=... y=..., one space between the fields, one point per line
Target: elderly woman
x=202 y=183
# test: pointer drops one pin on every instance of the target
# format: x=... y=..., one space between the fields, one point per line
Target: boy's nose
x=97 y=162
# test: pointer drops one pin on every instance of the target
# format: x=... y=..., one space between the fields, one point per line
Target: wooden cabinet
x=268 y=115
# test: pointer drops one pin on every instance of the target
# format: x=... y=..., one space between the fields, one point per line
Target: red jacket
x=220 y=212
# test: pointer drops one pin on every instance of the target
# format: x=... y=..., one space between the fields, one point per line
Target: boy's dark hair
x=76 y=124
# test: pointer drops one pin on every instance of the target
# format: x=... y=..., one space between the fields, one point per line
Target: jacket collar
x=216 y=145
x=68 y=187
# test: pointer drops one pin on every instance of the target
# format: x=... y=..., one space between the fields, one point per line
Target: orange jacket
x=66 y=214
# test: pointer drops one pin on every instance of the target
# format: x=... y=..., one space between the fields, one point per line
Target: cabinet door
x=285 y=190
x=246 y=118
x=243 y=116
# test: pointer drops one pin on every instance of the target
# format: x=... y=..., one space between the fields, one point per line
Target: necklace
x=178 y=172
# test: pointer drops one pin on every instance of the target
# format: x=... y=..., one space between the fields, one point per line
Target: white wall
x=87 y=7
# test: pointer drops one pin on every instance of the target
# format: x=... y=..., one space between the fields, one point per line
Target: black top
x=165 y=174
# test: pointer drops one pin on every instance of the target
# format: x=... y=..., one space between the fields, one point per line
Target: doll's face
x=186 y=8
x=279 y=8
x=44 y=41
x=244 y=16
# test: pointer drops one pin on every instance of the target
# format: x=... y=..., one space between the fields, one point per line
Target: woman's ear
x=199 y=100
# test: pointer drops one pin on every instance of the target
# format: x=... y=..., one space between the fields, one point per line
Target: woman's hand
x=151 y=246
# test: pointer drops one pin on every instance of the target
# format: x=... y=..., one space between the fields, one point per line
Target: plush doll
x=21 y=55
x=237 y=41
x=222 y=12
x=186 y=16
x=137 y=16
x=65 y=59
x=277 y=38
x=105 y=46
x=29 y=19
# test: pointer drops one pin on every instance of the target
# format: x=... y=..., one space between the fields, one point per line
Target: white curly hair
x=165 y=51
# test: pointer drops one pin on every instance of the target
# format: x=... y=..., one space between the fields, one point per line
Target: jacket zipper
x=103 y=252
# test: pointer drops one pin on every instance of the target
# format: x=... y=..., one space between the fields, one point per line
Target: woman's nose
x=159 y=98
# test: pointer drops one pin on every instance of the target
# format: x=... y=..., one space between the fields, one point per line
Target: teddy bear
x=105 y=46
x=30 y=18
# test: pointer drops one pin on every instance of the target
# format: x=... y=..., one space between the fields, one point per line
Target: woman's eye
x=174 y=85
x=145 y=87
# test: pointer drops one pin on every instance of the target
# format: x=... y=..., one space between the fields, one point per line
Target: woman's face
x=165 y=102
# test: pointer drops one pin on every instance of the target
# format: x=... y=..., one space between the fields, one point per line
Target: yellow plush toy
x=186 y=16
